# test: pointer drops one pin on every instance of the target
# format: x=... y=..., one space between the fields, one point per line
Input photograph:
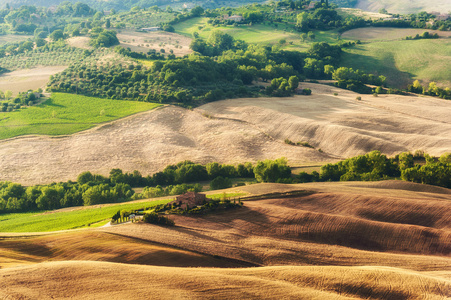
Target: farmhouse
x=190 y=199
x=235 y=18
x=151 y=29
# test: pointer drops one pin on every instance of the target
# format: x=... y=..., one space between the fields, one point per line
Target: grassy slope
x=79 y=217
x=66 y=114
x=403 y=61
x=259 y=33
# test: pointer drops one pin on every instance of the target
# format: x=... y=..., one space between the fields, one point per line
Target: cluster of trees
x=186 y=80
x=425 y=35
x=15 y=48
x=196 y=78
x=434 y=172
x=151 y=54
x=321 y=18
x=68 y=17
x=28 y=98
x=281 y=87
x=418 y=167
x=211 y=206
x=103 y=38
x=92 y=189
x=217 y=43
x=355 y=80
x=159 y=191
x=419 y=20
x=272 y=171
x=16 y=198
x=432 y=90
x=154 y=218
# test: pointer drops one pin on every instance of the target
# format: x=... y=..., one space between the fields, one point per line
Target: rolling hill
x=90 y=280
x=345 y=240
x=233 y=131
x=405 y=6
x=385 y=51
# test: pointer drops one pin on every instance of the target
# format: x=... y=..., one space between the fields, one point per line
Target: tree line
x=224 y=68
x=432 y=90
x=91 y=189
x=418 y=167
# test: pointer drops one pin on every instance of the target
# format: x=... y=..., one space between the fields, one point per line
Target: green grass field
x=258 y=34
x=66 y=114
x=262 y=34
x=77 y=218
x=403 y=61
x=227 y=195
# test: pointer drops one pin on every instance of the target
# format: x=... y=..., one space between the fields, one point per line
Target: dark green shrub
x=154 y=218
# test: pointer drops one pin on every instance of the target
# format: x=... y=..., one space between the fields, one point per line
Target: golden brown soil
x=100 y=246
x=358 y=225
x=28 y=79
x=79 y=42
x=144 y=41
x=100 y=280
x=234 y=131
x=374 y=240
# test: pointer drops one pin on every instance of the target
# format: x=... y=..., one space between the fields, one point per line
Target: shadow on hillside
x=386 y=67
x=25 y=248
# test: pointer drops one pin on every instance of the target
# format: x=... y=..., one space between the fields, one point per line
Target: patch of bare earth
x=145 y=41
x=235 y=131
x=28 y=79
x=79 y=42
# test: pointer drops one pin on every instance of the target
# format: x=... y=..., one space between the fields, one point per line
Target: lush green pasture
x=79 y=217
x=262 y=34
x=258 y=34
x=403 y=61
x=66 y=114
x=227 y=195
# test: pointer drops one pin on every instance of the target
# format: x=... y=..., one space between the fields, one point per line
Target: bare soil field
x=388 y=34
x=344 y=241
x=79 y=42
x=100 y=246
x=361 y=13
x=405 y=6
x=144 y=41
x=346 y=227
x=235 y=131
x=342 y=126
x=28 y=79
x=100 y=280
